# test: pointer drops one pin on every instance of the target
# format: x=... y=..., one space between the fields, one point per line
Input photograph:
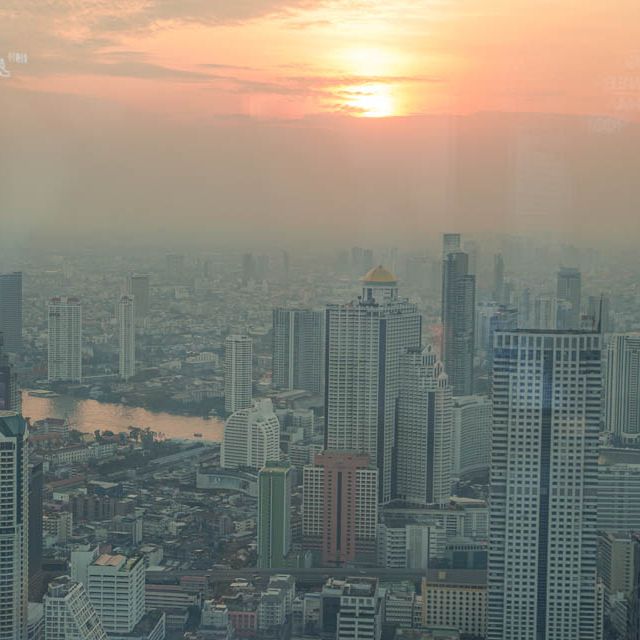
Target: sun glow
x=370 y=100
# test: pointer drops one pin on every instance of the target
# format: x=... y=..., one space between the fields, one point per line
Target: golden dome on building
x=380 y=275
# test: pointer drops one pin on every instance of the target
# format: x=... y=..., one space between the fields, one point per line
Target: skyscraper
x=251 y=437
x=238 y=382
x=450 y=244
x=298 y=349
x=498 y=279
x=472 y=420
x=340 y=506
x=274 y=514
x=14 y=511
x=138 y=287
x=65 y=340
x=36 y=488
x=68 y=613
x=9 y=392
x=127 y=336
x=424 y=430
x=11 y=311
x=364 y=343
x=546 y=417
x=458 y=322
x=116 y=590
x=622 y=390
x=569 y=289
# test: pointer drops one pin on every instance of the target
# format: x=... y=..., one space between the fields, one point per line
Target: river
x=89 y=415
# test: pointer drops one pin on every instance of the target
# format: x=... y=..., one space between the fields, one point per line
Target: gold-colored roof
x=381 y=275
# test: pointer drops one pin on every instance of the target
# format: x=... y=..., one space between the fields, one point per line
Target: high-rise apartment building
x=127 y=337
x=569 y=288
x=472 y=420
x=458 y=322
x=116 y=590
x=9 y=392
x=238 y=382
x=424 y=430
x=68 y=613
x=622 y=390
x=11 y=311
x=364 y=343
x=36 y=489
x=14 y=512
x=340 y=505
x=274 y=514
x=65 y=340
x=298 y=349
x=546 y=418
x=138 y=287
x=251 y=437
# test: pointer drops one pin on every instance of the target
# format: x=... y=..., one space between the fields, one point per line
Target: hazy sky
x=304 y=116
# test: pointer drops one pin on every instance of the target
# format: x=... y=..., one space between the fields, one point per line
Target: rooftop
x=380 y=275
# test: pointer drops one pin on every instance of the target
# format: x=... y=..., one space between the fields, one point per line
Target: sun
x=373 y=100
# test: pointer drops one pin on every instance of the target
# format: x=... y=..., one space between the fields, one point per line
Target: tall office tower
x=249 y=269
x=472 y=420
x=251 y=437
x=569 y=289
x=599 y=313
x=340 y=506
x=238 y=371
x=622 y=389
x=116 y=590
x=524 y=308
x=127 y=335
x=36 y=487
x=68 y=613
x=274 y=514
x=542 y=542
x=9 y=392
x=364 y=342
x=175 y=268
x=458 y=322
x=11 y=311
x=424 y=430
x=14 y=513
x=450 y=244
x=138 y=287
x=65 y=340
x=298 y=349
x=498 y=278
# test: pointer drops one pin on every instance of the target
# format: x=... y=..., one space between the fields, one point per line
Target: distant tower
x=450 y=244
x=238 y=372
x=65 y=340
x=622 y=390
x=68 y=613
x=458 y=322
x=569 y=289
x=298 y=349
x=175 y=268
x=11 y=311
x=249 y=269
x=274 y=514
x=251 y=437
x=14 y=511
x=498 y=279
x=544 y=466
x=424 y=430
x=127 y=335
x=9 y=392
x=138 y=287
x=365 y=340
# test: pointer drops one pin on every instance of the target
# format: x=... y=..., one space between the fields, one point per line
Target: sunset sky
x=135 y=71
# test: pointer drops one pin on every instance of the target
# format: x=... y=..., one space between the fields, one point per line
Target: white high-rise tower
x=542 y=542
x=14 y=509
x=65 y=340
x=365 y=341
x=424 y=430
x=127 y=335
x=238 y=389
x=622 y=397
